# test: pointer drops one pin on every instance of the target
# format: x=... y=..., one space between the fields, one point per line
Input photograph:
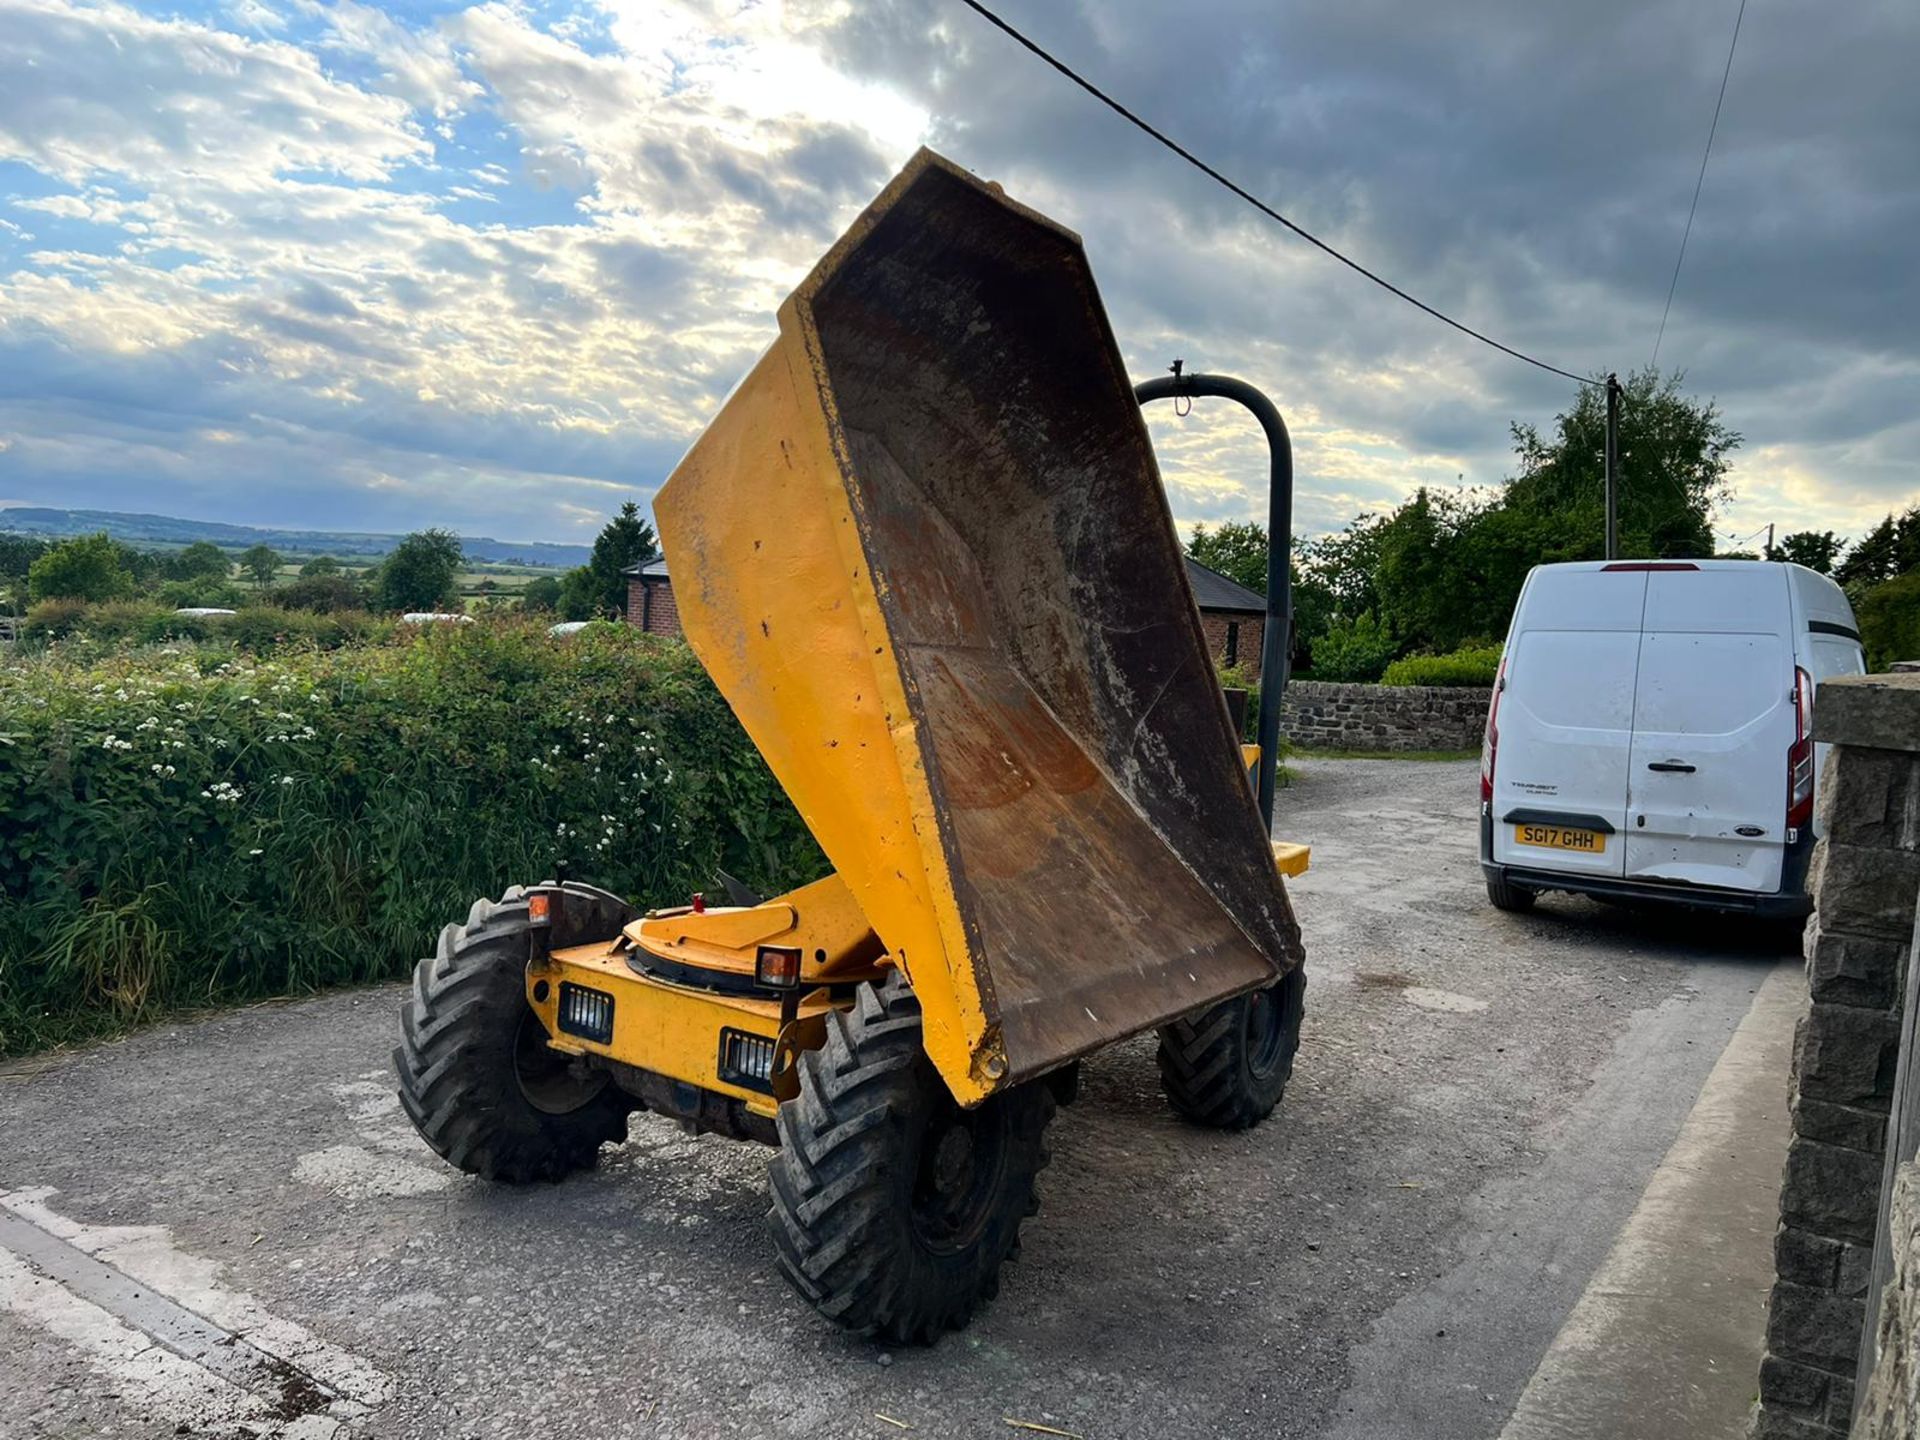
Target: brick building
x=650 y=598
x=1232 y=616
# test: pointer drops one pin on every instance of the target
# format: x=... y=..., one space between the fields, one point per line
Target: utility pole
x=1613 y=467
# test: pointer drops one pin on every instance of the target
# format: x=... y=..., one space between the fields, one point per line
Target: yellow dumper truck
x=924 y=552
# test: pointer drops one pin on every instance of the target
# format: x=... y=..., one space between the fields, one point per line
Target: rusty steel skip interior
x=946 y=417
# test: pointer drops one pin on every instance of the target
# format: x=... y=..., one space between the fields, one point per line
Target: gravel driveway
x=1477 y=1103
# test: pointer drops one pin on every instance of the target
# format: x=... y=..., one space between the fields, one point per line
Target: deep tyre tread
x=1502 y=894
x=461 y=1075
x=1211 y=1066
x=843 y=1183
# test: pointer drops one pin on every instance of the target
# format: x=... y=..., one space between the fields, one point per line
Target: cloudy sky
x=378 y=266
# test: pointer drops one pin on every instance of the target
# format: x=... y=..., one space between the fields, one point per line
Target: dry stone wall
x=1866 y=876
x=1324 y=715
x=1891 y=1410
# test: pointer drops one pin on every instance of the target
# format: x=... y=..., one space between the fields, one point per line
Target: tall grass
x=182 y=828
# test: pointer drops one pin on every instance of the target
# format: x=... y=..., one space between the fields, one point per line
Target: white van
x=1650 y=734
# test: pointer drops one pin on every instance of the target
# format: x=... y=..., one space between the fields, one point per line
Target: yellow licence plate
x=1560 y=837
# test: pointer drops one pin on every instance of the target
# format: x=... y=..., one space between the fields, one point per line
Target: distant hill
x=165 y=530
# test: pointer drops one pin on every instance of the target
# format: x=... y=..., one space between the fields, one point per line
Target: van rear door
x=1566 y=720
x=1713 y=721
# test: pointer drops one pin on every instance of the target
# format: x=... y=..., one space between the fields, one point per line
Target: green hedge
x=257 y=629
x=1476 y=667
x=179 y=828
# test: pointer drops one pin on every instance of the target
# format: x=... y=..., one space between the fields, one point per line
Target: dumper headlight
x=747 y=1060
x=586 y=1013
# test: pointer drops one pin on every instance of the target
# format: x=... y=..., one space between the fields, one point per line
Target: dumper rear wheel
x=893 y=1208
x=476 y=1075
x=1228 y=1067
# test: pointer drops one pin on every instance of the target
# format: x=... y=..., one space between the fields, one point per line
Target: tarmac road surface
x=226 y=1227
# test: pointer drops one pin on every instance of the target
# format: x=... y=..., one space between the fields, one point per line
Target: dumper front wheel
x=1228 y=1067
x=476 y=1075
x=893 y=1208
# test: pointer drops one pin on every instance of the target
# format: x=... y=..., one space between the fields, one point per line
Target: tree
x=17 y=554
x=1891 y=548
x=1237 y=550
x=1815 y=549
x=203 y=591
x=579 y=595
x=88 y=567
x=202 y=560
x=627 y=540
x=319 y=565
x=1342 y=566
x=1673 y=466
x=420 y=573
x=542 y=594
x=1889 y=616
x=263 y=562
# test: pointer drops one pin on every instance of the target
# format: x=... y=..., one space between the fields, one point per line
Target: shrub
x=1889 y=616
x=121 y=620
x=180 y=829
x=98 y=630
x=55 y=619
x=1476 y=666
x=1357 y=649
x=202 y=592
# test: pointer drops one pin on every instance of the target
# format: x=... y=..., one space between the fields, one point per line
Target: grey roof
x=1211 y=589
x=1214 y=591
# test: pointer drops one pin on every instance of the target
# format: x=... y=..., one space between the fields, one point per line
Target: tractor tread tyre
x=1503 y=894
x=460 y=1067
x=842 y=1184
x=1207 y=1061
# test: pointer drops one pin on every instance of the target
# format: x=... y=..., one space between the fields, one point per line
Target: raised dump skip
x=930 y=563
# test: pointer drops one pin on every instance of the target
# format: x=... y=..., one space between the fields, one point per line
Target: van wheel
x=1505 y=895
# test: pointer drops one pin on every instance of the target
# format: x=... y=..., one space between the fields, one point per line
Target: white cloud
x=304 y=276
x=87 y=90
x=416 y=65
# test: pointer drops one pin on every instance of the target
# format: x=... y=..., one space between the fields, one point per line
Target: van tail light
x=1491 y=744
x=1800 y=755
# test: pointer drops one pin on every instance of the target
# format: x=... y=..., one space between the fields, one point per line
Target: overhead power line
x=1265 y=209
x=1680 y=259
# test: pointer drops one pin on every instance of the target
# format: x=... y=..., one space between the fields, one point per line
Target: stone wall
x=1891 y=1410
x=1323 y=715
x=1865 y=879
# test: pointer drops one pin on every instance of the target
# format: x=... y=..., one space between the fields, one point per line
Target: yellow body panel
x=1291 y=858
x=821 y=920
x=809 y=671
x=668 y=1029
